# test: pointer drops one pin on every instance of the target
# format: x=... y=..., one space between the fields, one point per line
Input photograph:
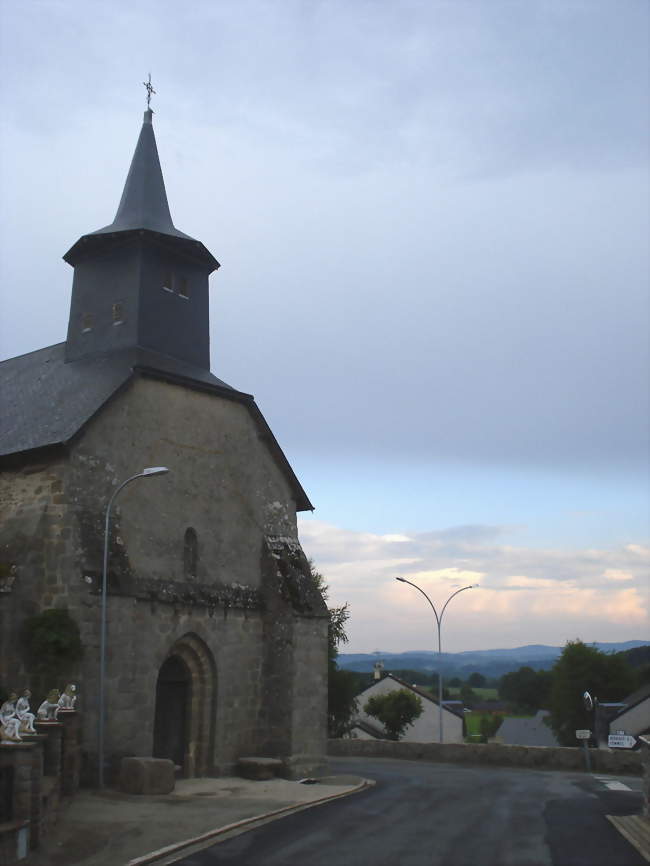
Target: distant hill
x=490 y=663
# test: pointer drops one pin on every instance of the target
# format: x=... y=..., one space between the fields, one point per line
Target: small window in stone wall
x=190 y=553
x=118 y=313
x=183 y=287
x=168 y=281
x=87 y=322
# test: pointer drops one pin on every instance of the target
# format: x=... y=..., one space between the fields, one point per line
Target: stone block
x=259 y=769
x=146 y=776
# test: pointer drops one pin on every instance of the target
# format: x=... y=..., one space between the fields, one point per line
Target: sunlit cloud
x=525 y=595
x=618 y=574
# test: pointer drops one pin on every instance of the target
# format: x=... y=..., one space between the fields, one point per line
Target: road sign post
x=584 y=736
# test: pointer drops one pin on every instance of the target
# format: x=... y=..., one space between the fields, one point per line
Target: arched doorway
x=185 y=706
x=172 y=706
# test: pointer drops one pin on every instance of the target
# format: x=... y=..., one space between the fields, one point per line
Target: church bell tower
x=139 y=283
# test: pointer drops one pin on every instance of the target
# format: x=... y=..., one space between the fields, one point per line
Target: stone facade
x=242 y=616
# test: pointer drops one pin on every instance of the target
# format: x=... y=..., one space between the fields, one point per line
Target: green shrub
x=52 y=641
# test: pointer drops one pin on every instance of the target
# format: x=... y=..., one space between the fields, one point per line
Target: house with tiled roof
x=634 y=717
x=425 y=729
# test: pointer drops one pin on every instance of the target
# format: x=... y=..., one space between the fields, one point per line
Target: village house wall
x=424 y=729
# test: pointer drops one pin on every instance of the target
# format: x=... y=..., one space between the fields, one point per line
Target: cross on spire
x=150 y=91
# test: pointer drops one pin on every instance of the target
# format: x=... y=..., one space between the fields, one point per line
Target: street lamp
x=152 y=470
x=439 y=624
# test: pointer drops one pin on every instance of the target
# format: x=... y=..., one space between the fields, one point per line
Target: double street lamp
x=439 y=624
x=152 y=470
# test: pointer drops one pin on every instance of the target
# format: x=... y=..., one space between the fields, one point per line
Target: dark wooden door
x=170 y=726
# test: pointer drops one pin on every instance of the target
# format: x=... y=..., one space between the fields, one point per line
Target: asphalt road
x=422 y=814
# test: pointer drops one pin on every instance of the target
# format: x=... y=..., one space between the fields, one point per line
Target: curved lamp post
x=152 y=470
x=439 y=624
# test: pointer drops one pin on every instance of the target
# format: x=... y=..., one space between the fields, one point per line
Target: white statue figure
x=23 y=712
x=69 y=697
x=49 y=709
x=9 y=721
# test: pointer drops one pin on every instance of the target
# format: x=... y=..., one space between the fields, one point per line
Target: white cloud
x=618 y=574
x=526 y=595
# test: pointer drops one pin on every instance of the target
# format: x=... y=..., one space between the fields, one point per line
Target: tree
x=476 y=680
x=342 y=686
x=489 y=725
x=467 y=695
x=395 y=710
x=52 y=644
x=583 y=668
x=527 y=689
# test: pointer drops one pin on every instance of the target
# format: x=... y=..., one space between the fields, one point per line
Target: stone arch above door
x=197 y=658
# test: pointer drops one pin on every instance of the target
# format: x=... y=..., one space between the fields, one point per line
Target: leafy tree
x=489 y=725
x=467 y=695
x=455 y=682
x=52 y=644
x=639 y=659
x=52 y=638
x=527 y=689
x=583 y=668
x=395 y=710
x=638 y=656
x=342 y=685
x=476 y=680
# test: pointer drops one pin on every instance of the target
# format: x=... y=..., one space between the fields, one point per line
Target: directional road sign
x=583 y=735
x=621 y=741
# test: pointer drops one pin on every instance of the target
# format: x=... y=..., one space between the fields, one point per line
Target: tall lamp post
x=439 y=624
x=152 y=470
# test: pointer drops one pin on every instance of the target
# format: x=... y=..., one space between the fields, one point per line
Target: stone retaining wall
x=623 y=762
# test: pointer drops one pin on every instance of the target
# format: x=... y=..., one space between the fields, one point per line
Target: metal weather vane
x=150 y=91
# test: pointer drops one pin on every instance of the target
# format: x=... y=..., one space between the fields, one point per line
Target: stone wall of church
x=268 y=645
x=38 y=557
x=223 y=483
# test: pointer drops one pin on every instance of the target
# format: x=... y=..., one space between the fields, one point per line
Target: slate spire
x=144 y=200
x=140 y=283
x=143 y=205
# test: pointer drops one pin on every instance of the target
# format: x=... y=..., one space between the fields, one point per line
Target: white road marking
x=617 y=786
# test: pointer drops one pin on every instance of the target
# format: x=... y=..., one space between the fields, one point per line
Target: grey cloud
x=431 y=218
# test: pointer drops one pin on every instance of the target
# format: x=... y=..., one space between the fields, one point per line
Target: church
x=215 y=633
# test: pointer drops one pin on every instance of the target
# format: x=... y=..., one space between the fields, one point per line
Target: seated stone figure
x=49 y=709
x=69 y=697
x=23 y=712
x=9 y=721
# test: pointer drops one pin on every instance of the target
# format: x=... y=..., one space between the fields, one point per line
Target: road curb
x=178 y=847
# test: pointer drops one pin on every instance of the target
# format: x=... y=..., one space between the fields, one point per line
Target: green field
x=484 y=694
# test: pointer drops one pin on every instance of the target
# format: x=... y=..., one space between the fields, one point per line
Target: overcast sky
x=432 y=220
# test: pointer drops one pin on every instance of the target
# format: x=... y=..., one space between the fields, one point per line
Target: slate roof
x=47 y=402
x=143 y=206
x=374 y=731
